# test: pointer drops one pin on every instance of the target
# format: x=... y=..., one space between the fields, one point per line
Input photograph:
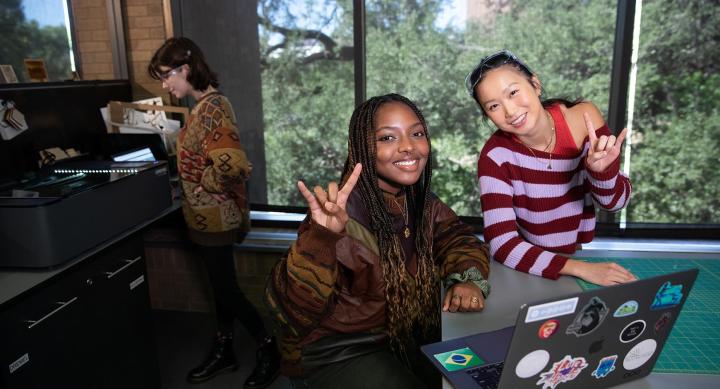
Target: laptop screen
x=137 y=155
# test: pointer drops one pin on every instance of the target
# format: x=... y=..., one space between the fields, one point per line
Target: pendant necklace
x=404 y=211
x=552 y=136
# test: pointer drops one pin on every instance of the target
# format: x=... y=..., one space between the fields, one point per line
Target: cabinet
x=88 y=327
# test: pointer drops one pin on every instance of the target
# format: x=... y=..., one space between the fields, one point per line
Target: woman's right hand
x=602 y=273
x=328 y=208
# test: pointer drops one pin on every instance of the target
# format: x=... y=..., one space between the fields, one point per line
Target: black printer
x=74 y=206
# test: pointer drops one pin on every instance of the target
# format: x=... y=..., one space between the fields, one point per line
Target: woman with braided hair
x=358 y=291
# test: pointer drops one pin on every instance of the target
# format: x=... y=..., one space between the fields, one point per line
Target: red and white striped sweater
x=531 y=212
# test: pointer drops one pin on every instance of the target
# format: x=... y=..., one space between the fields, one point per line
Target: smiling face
x=511 y=101
x=402 y=146
x=175 y=80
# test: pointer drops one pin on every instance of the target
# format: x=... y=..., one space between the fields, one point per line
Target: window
x=37 y=29
x=425 y=51
x=673 y=157
x=308 y=92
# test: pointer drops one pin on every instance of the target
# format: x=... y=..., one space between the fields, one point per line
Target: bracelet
x=471 y=274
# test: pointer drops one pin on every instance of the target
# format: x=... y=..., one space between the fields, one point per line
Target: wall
x=93 y=39
x=144 y=33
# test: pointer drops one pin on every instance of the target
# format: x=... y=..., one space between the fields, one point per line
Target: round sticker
x=548 y=328
x=638 y=355
x=632 y=331
x=532 y=364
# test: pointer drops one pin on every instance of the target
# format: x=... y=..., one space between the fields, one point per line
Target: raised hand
x=328 y=208
x=604 y=150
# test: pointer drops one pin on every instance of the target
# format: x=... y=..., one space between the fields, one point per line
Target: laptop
x=592 y=339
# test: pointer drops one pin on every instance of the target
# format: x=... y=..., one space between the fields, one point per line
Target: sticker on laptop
x=626 y=309
x=458 y=359
x=548 y=328
x=605 y=367
x=662 y=321
x=532 y=363
x=638 y=355
x=632 y=331
x=564 y=370
x=550 y=310
x=589 y=318
x=667 y=296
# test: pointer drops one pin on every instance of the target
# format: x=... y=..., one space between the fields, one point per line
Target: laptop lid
x=597 y=338
x=591 y=339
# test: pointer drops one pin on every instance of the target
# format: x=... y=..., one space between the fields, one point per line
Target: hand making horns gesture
x=328 y=208
x=604 y=150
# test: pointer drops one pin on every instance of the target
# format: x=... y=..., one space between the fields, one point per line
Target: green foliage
x=28 y=40
x=568 y=43
x=674 y=161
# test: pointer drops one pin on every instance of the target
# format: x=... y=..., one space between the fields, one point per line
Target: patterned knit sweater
x=328 y=293
x=530 y=212
x=213 y=169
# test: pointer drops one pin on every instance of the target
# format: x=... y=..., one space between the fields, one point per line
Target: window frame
x=617 y=115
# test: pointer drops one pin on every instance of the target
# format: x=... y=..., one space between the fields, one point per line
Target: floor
x=183 y=340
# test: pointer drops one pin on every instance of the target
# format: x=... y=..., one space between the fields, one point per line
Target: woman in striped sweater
x=543 y=172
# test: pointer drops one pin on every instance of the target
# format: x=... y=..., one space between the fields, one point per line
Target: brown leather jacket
x=328 y=294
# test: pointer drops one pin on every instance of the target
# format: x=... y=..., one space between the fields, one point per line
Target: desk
x=511 y=289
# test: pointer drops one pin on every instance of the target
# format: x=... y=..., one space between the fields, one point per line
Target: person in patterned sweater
x=358 y=291
x=542 y=173
x=213 y=169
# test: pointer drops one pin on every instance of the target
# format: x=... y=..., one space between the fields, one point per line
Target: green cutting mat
x=694 y=343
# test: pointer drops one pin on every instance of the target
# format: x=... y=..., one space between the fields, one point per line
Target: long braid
x=403 y=301
x=427 y=277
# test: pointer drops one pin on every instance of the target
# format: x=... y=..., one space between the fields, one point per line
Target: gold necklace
x=404 y=211
x=552 y=136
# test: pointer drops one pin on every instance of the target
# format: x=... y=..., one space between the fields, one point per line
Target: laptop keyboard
x=487 y=376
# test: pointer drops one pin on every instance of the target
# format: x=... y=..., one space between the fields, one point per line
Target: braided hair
x=408 y=298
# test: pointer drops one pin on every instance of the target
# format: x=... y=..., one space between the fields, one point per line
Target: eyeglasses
x=165 y=75
x=490 y=62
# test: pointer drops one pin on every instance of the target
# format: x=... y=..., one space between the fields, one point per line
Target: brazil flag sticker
x=458 y=359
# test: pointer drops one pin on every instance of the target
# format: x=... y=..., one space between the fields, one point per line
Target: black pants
x=376 y=370
x=230 y=301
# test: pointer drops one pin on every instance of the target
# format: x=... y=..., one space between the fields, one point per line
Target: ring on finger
x=474 y=300
x=455 y=296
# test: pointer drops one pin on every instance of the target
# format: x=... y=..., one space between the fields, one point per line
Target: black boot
x=268 y=365
x=221 y=360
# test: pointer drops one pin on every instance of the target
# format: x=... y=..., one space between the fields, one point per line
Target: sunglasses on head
x=491 y=62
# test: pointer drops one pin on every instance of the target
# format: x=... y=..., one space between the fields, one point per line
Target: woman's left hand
x=464 y=297
x=604 y=150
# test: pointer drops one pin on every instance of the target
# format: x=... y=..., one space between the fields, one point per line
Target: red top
x=564 y=143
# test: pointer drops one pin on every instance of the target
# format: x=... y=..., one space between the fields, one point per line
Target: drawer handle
x=63 y=304
x=128 y=264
